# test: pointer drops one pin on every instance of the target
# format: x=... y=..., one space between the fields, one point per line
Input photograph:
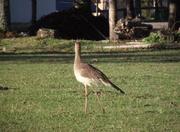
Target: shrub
x=177 y=36
x=154 y=38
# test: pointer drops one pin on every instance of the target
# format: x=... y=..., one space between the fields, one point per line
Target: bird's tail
x=116 y=87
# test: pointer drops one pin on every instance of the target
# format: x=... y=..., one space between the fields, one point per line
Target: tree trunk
x=4 y=15
x=34 y=11
x=172 y=15
x=130 y=9
x=112 y=19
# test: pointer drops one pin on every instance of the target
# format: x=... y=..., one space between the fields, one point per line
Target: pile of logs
x=132 y=29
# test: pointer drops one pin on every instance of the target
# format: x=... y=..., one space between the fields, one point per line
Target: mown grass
x=46 y=45
x=43 y=95
x=52 y=45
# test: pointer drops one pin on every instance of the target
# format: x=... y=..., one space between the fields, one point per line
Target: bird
x=89 y=75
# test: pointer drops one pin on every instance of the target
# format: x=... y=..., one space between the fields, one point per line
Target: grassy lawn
x=47 y=45
x=43 y=95
x=51 y=45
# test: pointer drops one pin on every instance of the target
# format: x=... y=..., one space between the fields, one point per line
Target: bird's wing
x=91 y=72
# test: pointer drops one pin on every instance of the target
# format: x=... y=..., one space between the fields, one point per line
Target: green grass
x=51 y=45
x=43 y=94
x=48 y=45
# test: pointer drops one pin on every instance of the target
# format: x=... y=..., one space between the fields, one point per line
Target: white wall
x=21 y=9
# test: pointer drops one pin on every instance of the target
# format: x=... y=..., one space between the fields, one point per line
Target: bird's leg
x=86 y=98
x=88 y=93
x=97 y=95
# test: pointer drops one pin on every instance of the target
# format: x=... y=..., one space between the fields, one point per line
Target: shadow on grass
x=5 y=88
x=105 y=57
x=2 y=88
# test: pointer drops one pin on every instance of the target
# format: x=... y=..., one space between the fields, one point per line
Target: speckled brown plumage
x=89 y=72
x=89 y=75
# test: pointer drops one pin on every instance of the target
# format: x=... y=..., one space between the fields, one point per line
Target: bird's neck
x=77 y=59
